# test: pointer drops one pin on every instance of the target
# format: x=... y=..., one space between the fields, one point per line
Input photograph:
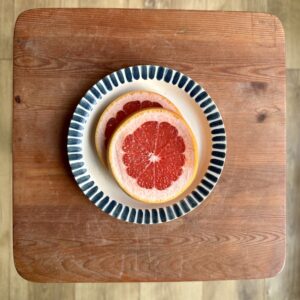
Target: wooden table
x=239 y=232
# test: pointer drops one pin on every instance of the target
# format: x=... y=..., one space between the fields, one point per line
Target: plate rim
x=113 y=207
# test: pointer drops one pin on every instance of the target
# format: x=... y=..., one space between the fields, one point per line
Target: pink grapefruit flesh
x=153 y=155
x=120 y=109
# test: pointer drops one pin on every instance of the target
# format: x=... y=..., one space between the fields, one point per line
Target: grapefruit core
x=153 y=155
x=122 y=107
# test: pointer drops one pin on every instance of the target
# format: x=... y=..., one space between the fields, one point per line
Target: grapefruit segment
x=121 y=108
x=153 y=155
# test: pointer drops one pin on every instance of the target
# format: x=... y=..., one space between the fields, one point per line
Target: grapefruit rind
x=112 y=147
x=117 y=105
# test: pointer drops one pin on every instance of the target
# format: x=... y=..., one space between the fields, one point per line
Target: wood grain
x=6 y=28
x=241 y=225
x=231 y=290
x=285 y=286
x=104 y=3
x=5 y=175
x=174 y=290
x=20 y=288
x=111 y=291
x=288 y=12
x=21 y=6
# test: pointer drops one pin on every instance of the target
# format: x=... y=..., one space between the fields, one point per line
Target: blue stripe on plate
x=182 y=81
x=79 y=119
x=136 y=73
x=117 y=211
x=85 y=104
x=110 y=206
x=168 y=75
x=219 y=138
x=74 y=133
x=215 y=169
x=76 y=126
x=121 y=76
x=184 y=206
x=177 y=210
x=107 y=83
x=83 y=179
x=162 y=215
x=87 y=185
x=170 y=213
x=132 y=215
x=89 y=98
x=81 y=112
x=197 y=196
x=103 y=202
x=175 y=78
x=154 y=216
x=189 y=85
x=75 y=156
x=151 y=72
x=210 y=109
x=191 y=201
x=147 y=216
x=140 y=216
x=207 y=184
x=205 y=102
x=218 y=131
x=201 y=97
x=72 y=141
x=216 y=123
x=219 y=146
x=217 y=162
x=211 y=177
x=144 y=72
x=114 y=79
x=79 y=172
x=213 y=116
x=128 y=74
x=202 y=190
x=95 y=92
x=97 y=197
x=77 y=165
x=218 y=154
x=160 y=73
x=195 y=90
x=125 y=213
x=72 y=149
x=92 y=191
x=101 y=88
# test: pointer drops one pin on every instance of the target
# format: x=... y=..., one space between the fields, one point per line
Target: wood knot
x=18 y=99
x=261 y=116
x=258 y=87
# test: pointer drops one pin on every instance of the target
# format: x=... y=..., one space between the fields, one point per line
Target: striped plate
x=196 y=107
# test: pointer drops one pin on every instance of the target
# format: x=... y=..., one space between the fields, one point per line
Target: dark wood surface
x=239 y=232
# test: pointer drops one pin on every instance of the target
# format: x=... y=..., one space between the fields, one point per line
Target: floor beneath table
x=283 y=286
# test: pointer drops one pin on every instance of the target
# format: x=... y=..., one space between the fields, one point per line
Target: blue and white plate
x=197 y=108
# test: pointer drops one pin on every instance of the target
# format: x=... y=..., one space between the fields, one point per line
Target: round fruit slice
x=120 y=109
x=153 y=155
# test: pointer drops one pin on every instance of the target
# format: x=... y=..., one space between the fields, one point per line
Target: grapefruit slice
x=153 y=155
x=120 y=109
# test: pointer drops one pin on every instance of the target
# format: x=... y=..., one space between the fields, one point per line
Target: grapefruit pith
x=153 y=155
x=120 y=109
